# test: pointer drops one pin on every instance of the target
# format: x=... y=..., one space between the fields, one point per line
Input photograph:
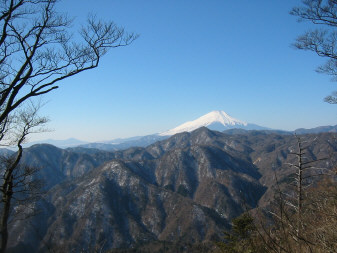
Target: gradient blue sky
x=192 y=57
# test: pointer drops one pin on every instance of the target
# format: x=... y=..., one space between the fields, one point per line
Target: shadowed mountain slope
x=186 y=188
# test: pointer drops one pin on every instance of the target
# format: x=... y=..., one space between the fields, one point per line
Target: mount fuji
x=215 y=120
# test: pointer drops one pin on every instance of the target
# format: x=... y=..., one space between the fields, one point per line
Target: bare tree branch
x=37 y=52
x=322 y=41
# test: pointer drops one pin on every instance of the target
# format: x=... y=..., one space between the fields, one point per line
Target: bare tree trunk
x=7 y=196
x=7 y=193
x=299 y=191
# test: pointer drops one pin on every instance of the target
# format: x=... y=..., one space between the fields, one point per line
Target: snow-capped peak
x=219 y=116
x=215 y=120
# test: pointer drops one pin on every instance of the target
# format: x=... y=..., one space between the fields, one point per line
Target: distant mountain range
x=316 y=130
x=71 y=142
x=119 y=144
x=215 y=120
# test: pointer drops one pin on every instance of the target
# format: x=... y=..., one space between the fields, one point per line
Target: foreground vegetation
x=301 y=218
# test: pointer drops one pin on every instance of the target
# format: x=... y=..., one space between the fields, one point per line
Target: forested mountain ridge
x=186 y=188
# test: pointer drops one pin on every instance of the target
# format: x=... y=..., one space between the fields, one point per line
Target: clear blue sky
x=192 y=57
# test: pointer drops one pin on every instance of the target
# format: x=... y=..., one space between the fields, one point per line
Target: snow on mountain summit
x=215 y=120
x=221 y=117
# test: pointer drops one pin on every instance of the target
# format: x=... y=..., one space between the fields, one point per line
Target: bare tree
x=302 y=167
x=295 y=209
x=16 y=183
x=37 y=51
x=323 y=40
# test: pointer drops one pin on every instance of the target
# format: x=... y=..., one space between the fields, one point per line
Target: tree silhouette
x=38 y=51
x=323 y=40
